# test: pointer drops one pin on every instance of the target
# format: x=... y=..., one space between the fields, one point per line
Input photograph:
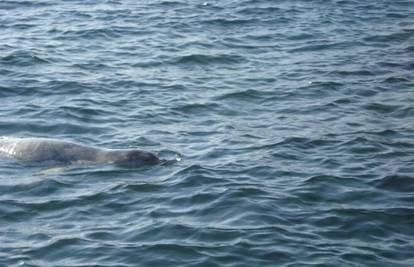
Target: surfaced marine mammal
x=65 y=152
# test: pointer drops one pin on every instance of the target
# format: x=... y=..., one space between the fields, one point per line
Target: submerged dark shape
x=65 y=152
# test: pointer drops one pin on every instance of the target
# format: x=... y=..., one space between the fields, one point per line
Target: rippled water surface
x=294 y=120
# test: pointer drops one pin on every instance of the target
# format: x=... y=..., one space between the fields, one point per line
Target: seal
x=65 y=152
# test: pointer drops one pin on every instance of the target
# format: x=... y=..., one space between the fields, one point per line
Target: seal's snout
x=150 y=158
x=138 y=158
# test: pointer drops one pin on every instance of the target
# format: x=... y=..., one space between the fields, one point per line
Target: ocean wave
x=22 y=58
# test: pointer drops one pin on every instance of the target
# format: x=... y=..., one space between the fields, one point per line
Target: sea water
x=293 y=120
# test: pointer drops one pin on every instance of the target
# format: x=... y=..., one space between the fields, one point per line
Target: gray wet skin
x=64 y=152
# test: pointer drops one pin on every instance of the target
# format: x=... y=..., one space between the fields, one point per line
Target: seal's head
x=135 y=158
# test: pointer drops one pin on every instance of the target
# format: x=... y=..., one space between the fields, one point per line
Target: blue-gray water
x=294 y=119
